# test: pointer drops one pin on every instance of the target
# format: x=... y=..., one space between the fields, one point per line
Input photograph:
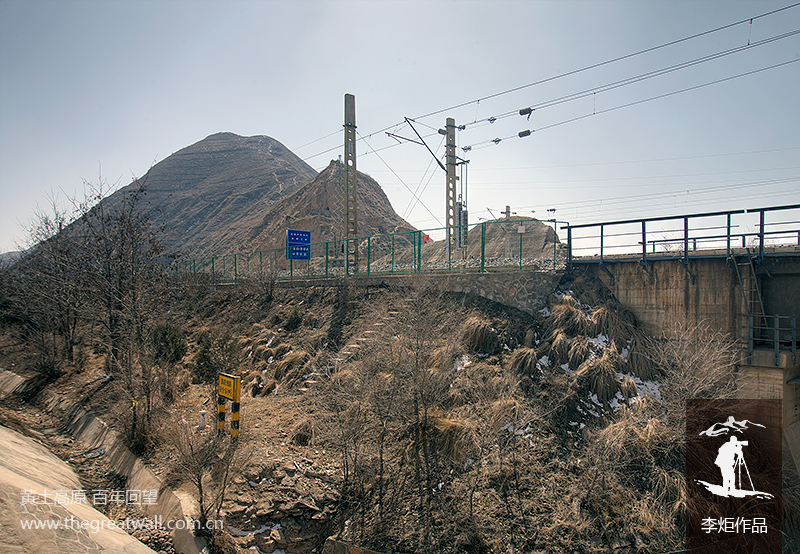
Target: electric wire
x=630 y=80
x=550 y=79
x=414 y=199
x=629 y=200
x=398 y=177
x=613 y=60
x=496 y=141
x=317 y=140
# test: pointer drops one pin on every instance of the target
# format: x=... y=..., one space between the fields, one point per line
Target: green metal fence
x=487 y=246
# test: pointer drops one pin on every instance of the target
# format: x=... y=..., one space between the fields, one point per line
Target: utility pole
x=351 y=212
x=450 y=150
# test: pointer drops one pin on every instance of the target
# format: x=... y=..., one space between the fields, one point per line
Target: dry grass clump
x=791 y=497
x=558 y=299
x=262 y=352
x=479 y=384
x=523 y=361
x=282 y=349
x=669 y=490
x=588 y=291
x=633 y=445
x=455 y=439
x=292 y=363
x=506 y=411
x=579 y=351
x=639 y=362
x=599 y=375
x=558 y=347
x=569 y=318
x=628 y=388
x=303 y=432
x=530 y=339
x=478 y=336
x=442 y=358
x=607 y=320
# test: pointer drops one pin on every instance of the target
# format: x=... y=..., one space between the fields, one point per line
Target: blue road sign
x=298 y=245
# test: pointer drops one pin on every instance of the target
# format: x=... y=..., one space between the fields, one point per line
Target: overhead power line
x=527 y=132
x=613 y=60
x=400 y=179
x=747 y=20
x=630 y=80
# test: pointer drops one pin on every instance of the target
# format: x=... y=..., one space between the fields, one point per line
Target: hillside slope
x=202 y=195
x=318 y=206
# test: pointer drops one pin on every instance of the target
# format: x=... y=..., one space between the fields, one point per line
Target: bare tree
x=43 y=296
x=209 y=461
x=123 y=266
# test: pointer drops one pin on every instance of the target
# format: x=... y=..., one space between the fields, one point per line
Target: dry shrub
x=579 y=351
x=569 y=318
x=456 y=439
x=478 y=336
x=287 y=369
x=639 y=362
x=599 y=375
x=523 y=362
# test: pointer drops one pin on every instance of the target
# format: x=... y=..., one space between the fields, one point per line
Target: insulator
x=466 y=148
x=524 y=133
x=525 y=111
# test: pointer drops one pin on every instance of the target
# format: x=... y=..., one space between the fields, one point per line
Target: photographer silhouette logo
x=736 y=479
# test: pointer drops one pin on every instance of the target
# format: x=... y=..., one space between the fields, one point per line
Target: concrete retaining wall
x=524 y=290
x=666 y=292
x=84 y=426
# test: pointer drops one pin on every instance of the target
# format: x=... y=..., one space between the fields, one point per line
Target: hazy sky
x=108 y=88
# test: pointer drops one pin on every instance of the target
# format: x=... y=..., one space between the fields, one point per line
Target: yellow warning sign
x=230 y=387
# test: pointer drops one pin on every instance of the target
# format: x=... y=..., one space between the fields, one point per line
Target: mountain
x=204 y=195
x=318 y=206
x=227 y=194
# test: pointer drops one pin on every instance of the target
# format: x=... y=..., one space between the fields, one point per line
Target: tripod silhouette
x=738 y=465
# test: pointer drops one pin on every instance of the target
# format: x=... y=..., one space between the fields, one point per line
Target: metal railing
x=509 y=245
x=773 y=332
x=488 y=246
x=681 y=236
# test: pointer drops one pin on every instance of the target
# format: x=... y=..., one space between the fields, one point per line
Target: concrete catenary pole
x=351 y=210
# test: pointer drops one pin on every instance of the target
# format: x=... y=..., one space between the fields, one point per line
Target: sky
x=96 y=91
